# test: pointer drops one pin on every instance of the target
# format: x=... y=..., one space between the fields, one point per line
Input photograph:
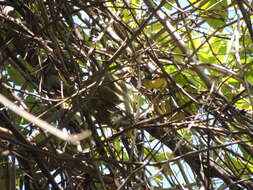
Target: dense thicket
x=165 y=87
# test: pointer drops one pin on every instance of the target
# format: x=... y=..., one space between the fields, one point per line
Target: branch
x=193 y=160
x=75 y=139
x=174 y=35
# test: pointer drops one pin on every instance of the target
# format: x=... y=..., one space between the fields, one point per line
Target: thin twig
x=75 y=139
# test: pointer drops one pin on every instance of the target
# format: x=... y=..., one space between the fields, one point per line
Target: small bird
x=157 y=82
x=51 y=79
x=153 y=80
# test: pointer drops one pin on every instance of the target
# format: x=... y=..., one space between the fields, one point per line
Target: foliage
x=165 y=87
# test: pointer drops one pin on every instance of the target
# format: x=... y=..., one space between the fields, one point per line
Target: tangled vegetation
x=162 y=88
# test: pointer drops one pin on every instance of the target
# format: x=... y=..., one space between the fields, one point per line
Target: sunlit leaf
x=249 y=76
x=15 y=76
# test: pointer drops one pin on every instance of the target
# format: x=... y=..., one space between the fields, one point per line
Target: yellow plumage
x=155 y=83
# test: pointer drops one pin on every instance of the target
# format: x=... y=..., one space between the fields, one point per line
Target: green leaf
x=233 y=82
x=244 y=104
x=154 y=29
x=158 y=178
x=16 y=76
x=168 y=5
x=126 y=15
x=226 y=91
x=135 y=2
x=170 y=69
x=249 y=75
x=214 y=12
x=217 y=15
x=205 y=54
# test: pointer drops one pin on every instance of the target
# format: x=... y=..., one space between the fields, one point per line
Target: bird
x=153 y=80
x=158 y=82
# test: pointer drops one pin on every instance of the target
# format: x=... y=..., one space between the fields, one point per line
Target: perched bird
x=157 y=82
x=153 y=80
x=52 y=80
x=112 y=102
